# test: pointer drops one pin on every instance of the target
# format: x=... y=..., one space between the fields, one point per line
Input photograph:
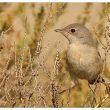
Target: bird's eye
x=72 y=30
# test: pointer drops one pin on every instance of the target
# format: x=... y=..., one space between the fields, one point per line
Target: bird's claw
x=108 y=88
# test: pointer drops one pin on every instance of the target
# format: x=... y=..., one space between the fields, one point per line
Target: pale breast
x=84 y=61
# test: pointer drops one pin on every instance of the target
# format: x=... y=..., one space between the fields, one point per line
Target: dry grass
x=29 y=78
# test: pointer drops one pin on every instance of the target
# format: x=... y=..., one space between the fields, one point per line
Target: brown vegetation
x=34 y=75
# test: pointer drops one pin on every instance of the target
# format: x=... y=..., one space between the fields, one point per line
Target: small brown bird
x=82 y=54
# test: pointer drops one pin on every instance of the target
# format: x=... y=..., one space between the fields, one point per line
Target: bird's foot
x=108 y=88
x=106 y=84
x=73 y=85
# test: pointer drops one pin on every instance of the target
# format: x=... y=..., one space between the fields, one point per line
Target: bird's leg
x=74 y=83
x=106 y=84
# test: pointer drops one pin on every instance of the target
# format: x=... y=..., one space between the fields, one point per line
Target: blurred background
x=32 y=55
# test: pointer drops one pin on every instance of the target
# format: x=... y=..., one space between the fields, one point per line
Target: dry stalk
x=42 y=33
x=21 y=83
x=7 y=30
x=68 y=98
x=54 y=85
x=54 y=94
x=103 y=100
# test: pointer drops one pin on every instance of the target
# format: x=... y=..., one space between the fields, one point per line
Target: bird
x=82 y=55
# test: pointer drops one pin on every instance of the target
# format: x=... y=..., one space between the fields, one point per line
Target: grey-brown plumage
x=82 y=55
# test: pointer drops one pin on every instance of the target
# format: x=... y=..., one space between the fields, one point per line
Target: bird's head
x=77 y=33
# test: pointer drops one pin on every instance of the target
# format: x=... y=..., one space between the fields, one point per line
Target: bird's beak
x=58 y=30
x=62 y=32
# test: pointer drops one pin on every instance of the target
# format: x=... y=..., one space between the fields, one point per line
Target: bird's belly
x=83 y=62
